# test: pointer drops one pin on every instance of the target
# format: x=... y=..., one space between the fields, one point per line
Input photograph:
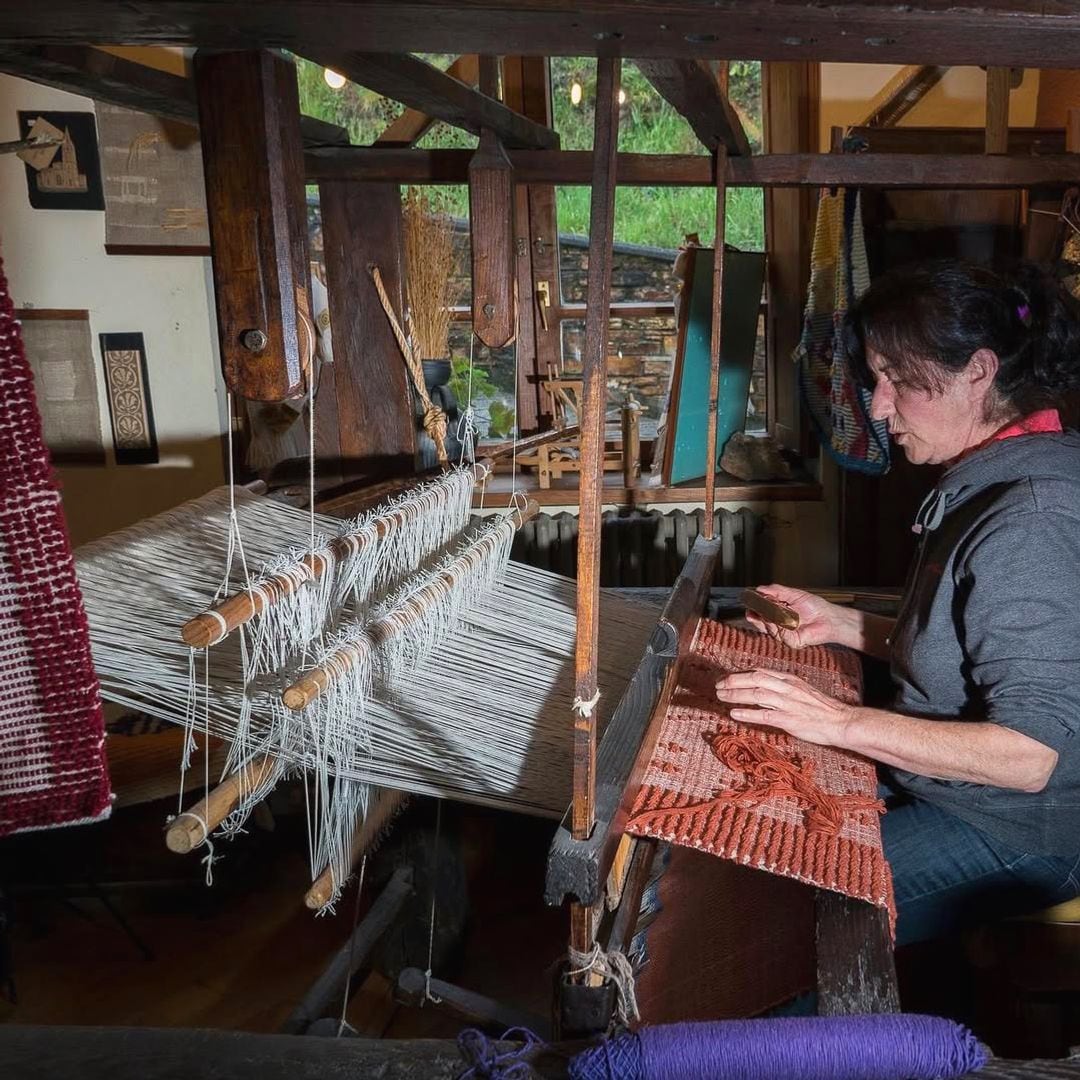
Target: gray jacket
x=989 y=628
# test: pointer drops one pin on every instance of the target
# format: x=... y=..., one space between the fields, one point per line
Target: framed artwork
x=66 y=175
x=155 y=199
x=61 y=354
x=127 y=385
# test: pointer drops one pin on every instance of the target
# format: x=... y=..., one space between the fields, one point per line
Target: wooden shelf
x=649 y=491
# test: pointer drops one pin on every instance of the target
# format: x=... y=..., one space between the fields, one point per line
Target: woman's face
x=932 y=427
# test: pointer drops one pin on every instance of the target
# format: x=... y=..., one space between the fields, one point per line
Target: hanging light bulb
x=575 y=93
x=622 y=96
x=334 y=80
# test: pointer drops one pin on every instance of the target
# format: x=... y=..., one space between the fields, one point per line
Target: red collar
x=1045 y=420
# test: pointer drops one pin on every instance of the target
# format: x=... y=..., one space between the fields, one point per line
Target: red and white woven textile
x=52 y=735
x=758 y=796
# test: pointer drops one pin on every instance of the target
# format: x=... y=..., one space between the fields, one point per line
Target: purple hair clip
x=1024 y=313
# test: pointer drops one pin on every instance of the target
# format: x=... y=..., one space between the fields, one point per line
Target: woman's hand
x=787 y=702
x=820 y=622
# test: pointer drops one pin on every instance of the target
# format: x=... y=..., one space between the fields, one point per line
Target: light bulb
x=575 y=93
x=334 y=80
x=622 y=97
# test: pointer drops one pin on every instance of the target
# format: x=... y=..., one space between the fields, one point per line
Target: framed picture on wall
x=155 y=199
x=65 y=175
x=127 y=384
x=61 y=354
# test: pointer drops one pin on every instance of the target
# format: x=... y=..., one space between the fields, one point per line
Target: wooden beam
x=253 y=164
x=80 y=69
x=997 y=110
x=574 y=167
x=902 y=93
x=362 y=225
x=691 y=88
x=1026 y=33
x=412 y=125
x=715 y=344
x=436 y=93
x=594 y=388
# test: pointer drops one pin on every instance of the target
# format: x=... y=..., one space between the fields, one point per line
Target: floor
x=241 y=954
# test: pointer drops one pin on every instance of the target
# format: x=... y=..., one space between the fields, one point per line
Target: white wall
x=56 y=259
x=958 y=100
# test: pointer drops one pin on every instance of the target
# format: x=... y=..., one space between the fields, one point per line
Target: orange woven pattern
x=758 y=796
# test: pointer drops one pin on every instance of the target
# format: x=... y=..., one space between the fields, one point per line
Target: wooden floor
x=241 y=954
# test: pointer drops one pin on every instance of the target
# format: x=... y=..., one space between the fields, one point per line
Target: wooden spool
x=366 y=834
x=191 y=828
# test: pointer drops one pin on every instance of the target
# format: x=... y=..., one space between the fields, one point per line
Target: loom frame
x=46 y=42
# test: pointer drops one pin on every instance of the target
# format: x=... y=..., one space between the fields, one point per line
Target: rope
x=612 y=967
x=435 y=422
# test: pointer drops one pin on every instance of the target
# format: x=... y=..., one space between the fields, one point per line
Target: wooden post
x=714 y=373
x=997 y=110
x=594 y=386
x=377 y=430
x=631 y=443
x=491 y=228
x=790 y=93
x=249 y=126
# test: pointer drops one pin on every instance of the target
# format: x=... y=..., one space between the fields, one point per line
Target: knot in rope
x=485 y=1061
x=436 y=425
x=585 y=709
x=615 y=968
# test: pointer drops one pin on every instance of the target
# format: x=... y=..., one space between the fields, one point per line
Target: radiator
x=640 y=548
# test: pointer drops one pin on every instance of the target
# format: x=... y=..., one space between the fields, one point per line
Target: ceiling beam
x=902 y=93
x=696 y=170
x=423 y=87
x=1024 y=33
x=412 y=125
x=692 y=89
x=80 y=69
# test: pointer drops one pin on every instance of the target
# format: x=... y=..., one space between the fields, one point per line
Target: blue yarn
x=486 y=1063
x=884 y=1047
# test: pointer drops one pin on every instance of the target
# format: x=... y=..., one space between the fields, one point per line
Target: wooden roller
x=367 y=832
x=769 y=610
x=189 y=829
x=303 y=692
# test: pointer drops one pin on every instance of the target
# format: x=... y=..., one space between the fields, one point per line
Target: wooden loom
x=582 y=855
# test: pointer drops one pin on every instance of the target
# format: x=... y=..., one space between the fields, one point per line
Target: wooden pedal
x=769 y=610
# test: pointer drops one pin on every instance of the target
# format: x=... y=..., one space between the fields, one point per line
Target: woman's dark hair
x=928 y=319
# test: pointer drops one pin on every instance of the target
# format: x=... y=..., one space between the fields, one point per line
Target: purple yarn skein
x=885 y=1047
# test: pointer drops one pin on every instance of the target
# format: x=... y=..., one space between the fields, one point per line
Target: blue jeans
x=948 y=875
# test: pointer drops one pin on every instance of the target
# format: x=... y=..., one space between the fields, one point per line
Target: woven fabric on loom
x=52 y=755
x=726 y=788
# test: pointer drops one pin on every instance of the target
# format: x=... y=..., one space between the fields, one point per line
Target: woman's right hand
x=820 y=621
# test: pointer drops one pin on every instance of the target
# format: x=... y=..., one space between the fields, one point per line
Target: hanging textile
x=52 y=756
x=759 y=796
x=839 y=274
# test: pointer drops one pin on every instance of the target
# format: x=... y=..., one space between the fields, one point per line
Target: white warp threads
x=481 y=718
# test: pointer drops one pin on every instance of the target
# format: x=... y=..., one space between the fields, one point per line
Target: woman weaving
x=979 y=754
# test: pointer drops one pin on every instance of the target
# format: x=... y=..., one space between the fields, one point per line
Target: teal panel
x=744 y=276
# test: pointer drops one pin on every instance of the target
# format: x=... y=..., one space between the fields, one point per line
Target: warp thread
x=771 y=774
x=486 y=1062
x=881 y=1047
x=616 y=968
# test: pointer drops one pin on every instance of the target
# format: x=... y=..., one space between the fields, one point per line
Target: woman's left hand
x=787 y=702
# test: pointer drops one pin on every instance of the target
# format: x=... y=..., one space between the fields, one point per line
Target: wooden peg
x=189 y=829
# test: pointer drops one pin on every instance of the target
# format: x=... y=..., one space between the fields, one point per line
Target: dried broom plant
x=430 y=265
